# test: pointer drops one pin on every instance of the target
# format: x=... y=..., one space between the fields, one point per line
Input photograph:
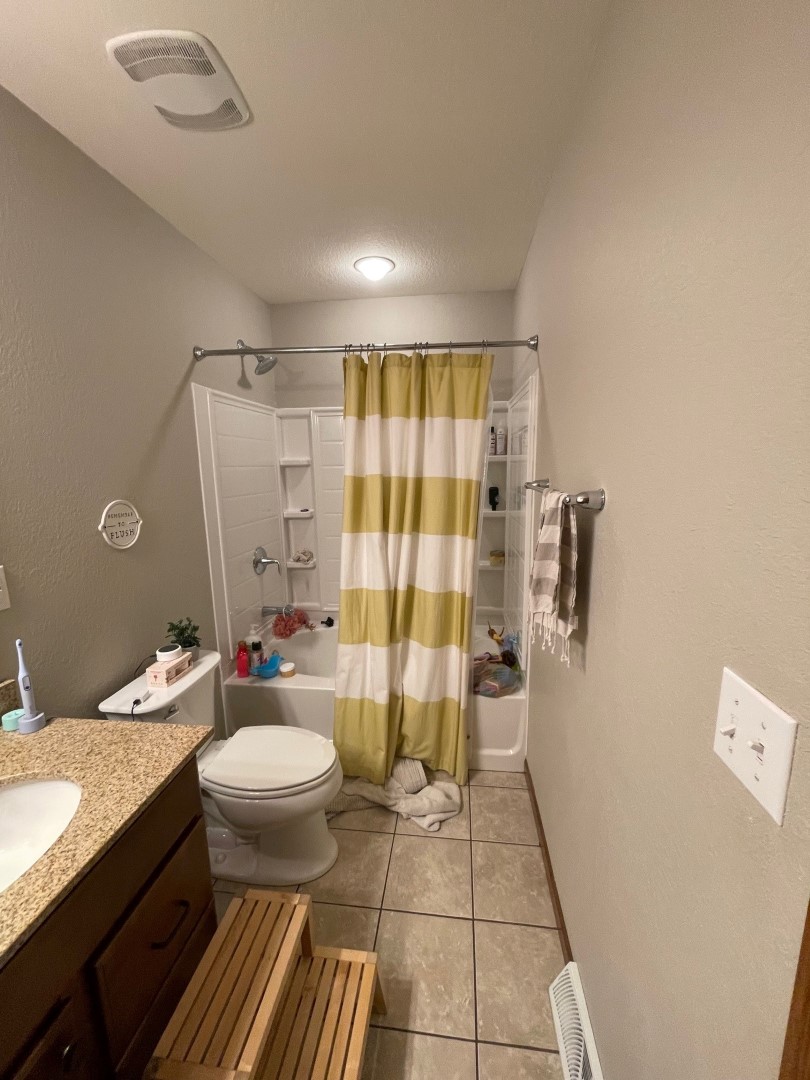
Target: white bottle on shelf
x=500 y=441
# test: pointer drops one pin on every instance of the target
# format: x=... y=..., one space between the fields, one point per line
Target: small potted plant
x=186 y=634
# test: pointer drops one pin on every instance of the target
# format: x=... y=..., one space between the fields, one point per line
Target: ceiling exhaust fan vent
x=145 y=58
x=183 y=76
x=226 y=116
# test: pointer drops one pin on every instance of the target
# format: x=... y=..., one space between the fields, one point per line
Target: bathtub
x=307 y=700
x=497 y=725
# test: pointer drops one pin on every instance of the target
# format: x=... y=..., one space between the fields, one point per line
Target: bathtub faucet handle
x=261 y=562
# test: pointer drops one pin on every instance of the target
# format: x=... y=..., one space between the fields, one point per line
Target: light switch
x=756 y=740
x=5 y=599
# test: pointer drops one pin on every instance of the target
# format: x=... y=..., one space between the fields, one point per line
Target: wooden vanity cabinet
x=89 y=993
x=69 y=1045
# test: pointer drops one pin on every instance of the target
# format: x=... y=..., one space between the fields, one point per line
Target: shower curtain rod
x=243 y=350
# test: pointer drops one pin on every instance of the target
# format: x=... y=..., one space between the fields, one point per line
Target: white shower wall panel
x=328 y=442
x=244 y=445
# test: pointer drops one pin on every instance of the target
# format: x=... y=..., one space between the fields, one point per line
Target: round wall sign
x=120 y=524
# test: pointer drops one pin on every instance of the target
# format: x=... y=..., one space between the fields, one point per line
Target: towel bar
x=588 y=500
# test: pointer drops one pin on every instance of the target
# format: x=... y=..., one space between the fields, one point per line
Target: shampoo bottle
x=242 y=661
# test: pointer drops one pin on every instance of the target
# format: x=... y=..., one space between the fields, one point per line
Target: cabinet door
x=135 y=964
x=70 y=1047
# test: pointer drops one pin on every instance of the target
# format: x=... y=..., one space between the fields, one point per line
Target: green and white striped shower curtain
x=415 y=429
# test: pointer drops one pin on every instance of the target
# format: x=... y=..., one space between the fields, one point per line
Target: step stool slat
x=197 y=1013
x=305 y=1003
x=198 y=980
x=231 y=996
x=327 y=1038
x=316 y=1021
x=344 y=1027
x=268 y=1003
x=357 y=1044
x=284 y=1025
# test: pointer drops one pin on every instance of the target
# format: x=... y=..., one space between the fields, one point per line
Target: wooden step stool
x=265 y=1005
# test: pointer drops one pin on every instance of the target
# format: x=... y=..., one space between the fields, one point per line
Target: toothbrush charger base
x=29 y=724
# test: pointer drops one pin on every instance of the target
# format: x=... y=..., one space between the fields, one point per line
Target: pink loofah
x=284 y=626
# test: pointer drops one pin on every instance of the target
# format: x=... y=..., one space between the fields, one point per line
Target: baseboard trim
x=552 y=884
x=796 y=1053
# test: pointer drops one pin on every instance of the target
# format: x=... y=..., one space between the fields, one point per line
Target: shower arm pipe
x=305 y=350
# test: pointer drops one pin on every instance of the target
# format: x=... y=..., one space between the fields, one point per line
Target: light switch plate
x=756 y=740
x=5 y=599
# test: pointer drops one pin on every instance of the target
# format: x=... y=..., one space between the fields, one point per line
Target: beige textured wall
x=100 y=303
x=669 y=279
x=318 y=379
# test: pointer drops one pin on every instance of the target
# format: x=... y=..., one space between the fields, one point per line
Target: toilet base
x=290 y=855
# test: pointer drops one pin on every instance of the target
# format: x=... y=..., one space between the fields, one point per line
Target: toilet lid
x=273 y=758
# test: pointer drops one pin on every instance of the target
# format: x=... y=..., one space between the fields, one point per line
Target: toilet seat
x=269 y=762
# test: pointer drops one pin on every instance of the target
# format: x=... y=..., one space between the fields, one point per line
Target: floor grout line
x=475 y=963
x=385 y=886
x=498 y=787
x=433 y=836
x=462 y=1039
x=438 y=914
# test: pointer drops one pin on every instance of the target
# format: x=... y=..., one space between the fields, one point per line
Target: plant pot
x=195 y=652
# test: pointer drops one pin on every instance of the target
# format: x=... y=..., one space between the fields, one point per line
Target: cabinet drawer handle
x=185 y=908
x=68 y=1054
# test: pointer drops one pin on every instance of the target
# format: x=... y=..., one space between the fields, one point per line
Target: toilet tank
x=189 y=701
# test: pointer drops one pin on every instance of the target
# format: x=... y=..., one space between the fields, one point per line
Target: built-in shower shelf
x=291 y=462
x=298 y=515
x=301 y=565
x=495 y=513
x=485 y=565
x=490 y=612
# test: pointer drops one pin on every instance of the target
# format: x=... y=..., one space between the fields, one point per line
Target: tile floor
x=463 y=924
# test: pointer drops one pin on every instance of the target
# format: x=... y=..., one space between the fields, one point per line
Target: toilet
x=264 y=790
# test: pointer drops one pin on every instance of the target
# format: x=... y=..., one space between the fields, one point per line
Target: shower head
x=265 y=364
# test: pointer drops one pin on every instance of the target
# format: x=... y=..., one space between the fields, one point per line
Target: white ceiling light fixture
x=374 y=267
x=183 y=76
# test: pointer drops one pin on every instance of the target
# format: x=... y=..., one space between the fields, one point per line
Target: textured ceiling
x=423 y=130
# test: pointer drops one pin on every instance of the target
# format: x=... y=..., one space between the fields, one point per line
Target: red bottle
x=242 y=660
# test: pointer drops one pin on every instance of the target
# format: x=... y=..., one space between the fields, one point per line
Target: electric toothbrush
x=33 y=719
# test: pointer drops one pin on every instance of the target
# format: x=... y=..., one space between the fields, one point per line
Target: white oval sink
x=33 y=815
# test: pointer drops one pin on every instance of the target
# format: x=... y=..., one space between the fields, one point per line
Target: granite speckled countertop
x=120 y=767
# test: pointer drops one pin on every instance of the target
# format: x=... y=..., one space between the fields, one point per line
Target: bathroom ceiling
x=423 y=130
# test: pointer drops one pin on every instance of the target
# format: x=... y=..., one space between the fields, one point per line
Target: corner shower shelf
x=298 y=515
x=484 y=564
x=495 y=513
x=301 y=565
x=291 y=462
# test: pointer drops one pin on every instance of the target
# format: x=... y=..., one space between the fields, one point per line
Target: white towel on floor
x=428 y=808
x=410 y=773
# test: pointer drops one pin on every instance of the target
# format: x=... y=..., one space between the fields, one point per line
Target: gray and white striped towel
x=553 y=584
